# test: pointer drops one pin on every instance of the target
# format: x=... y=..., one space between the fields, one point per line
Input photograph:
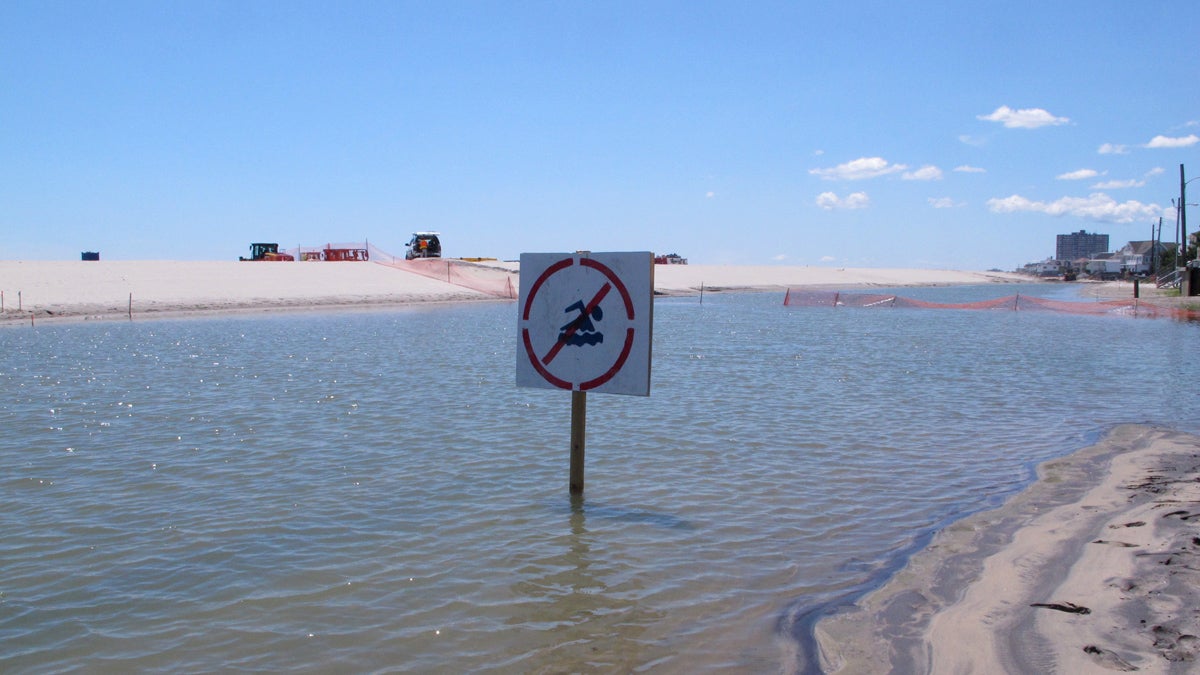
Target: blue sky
x=858 y=134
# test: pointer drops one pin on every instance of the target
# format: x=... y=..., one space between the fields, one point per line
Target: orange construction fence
x=1026 y=303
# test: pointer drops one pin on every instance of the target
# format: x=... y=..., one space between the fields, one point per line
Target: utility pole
x=1154 y=235
x=1183 y=217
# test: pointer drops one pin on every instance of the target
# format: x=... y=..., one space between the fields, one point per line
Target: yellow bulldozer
x=267 y=252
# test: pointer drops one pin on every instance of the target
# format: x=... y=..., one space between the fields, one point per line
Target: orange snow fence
x=1133 y=307
x=492 y=280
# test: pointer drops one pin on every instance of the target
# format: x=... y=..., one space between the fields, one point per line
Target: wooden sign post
x=578 y=440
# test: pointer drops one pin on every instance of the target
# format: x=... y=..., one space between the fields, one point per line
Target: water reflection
x=639 y=516
x=583 y=599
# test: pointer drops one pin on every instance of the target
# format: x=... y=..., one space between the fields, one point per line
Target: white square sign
x=584 y=321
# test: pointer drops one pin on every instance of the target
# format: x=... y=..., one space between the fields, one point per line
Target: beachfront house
x=1142 y=257
x=1047 y=268
x=1105 y=266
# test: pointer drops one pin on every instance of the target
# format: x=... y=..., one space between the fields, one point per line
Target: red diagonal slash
x=562 y=339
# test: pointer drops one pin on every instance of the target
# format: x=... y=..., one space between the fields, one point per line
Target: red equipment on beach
x=345 y=254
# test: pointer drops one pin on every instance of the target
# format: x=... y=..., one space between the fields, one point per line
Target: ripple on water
x=371 y=492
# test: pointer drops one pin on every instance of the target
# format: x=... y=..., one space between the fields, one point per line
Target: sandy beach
x=104 y=289
x=1095 y=568
x=117 y=289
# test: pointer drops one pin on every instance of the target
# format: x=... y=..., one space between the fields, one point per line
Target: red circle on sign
x=538 y=365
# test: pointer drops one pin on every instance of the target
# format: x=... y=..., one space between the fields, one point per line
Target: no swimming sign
x=584 y=322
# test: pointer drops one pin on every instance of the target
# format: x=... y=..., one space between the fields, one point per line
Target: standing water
x=369 y=491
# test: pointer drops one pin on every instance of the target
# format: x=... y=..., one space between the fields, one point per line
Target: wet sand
x=1094 y=568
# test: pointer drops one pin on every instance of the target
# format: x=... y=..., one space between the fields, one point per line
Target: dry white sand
x=1095 y=568
x=683 y=279
x=110 y=289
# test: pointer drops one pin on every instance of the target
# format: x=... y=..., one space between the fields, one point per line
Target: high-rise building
x=1080 y=245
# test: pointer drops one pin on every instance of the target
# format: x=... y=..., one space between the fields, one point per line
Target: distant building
x=1080 y=245
x=1142 y=257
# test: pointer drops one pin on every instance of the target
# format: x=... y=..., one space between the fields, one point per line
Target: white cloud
x=857 y=200
x=859 y=169
x=1027 y=118
x=827 y=258
x=1118 y=184
x=943 y=203
x=1097 y=206
x=928 y=172
x=1167 y=142
x=1130 y=183
x=779 y=257
x=1081 y=174
x=965 y=168
x=1113 y=149
x=972 y=140
x=830 y=201
x=710 y=194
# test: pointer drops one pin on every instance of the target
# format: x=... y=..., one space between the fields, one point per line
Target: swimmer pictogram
x=582 y=331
